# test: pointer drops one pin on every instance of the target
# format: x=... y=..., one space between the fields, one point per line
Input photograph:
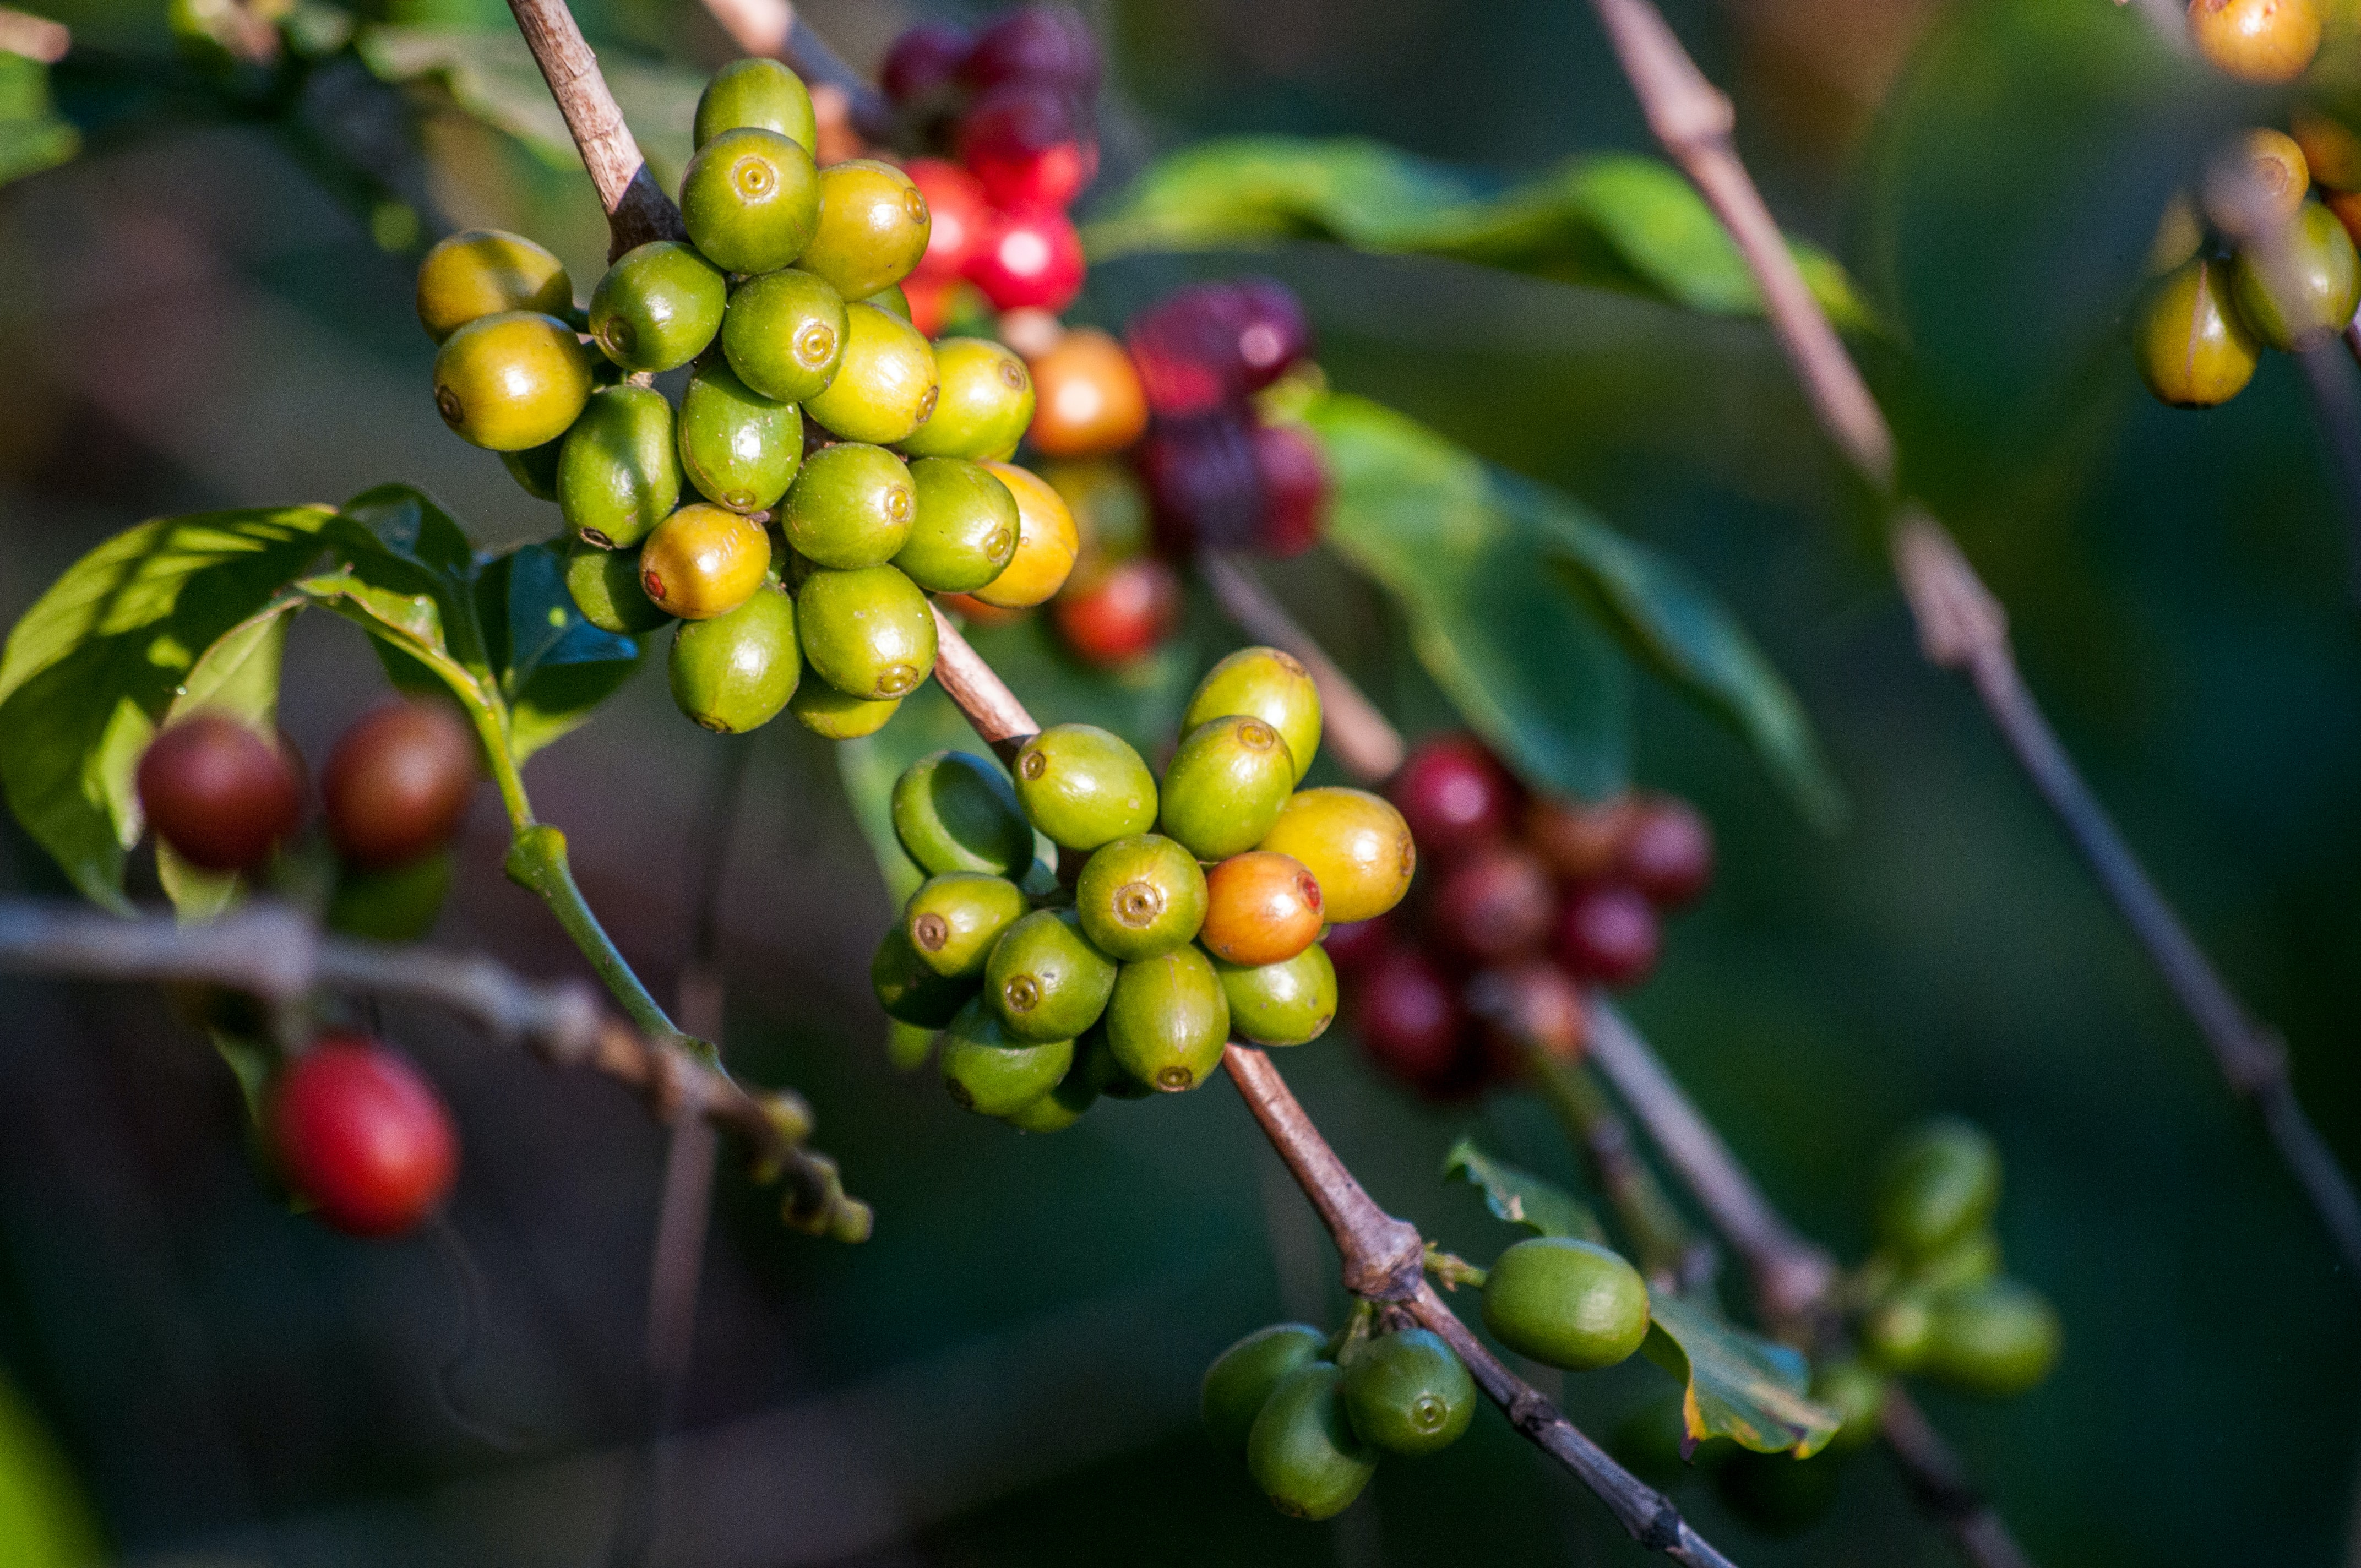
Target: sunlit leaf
x=553 y=667
x=1741 y=1386
x=1521 y=1198
x=45 y=1521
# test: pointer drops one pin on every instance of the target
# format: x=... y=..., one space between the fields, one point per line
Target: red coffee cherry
x=1607 y=933
x=925 y=59
x=1533 y=1006
x=1294 y=487
x=361 y=1134
x=1027 y=145
x=1047 y=44
x=217 y=792
x=1669 y=854
x=1357 y=944
x=1120 y=612
x=1410 y=1021
x=1453 y=795
x=1204 y=481
x=1210 y=344
x=1031 y=255
x=1495 y=904
x=398 y=783
x=1272 y=331
x=1579 y=842
x=959 y=211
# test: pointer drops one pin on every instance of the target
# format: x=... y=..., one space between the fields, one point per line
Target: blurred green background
x=1005 y=1375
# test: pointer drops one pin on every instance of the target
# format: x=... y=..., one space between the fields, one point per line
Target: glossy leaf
x=1741 y=1386
x=1521 y=1198
x=238 y=676
x=32 y=137
x=96 y=662
x=554 y=667
x=1615 y=221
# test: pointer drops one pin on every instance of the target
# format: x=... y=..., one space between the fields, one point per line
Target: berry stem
x=537 y=862
x=1362 y=738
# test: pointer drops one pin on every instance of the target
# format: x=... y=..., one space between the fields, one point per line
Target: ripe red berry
x=1607 y=933
x=1495 y=904
x=1204 y=484
x=925 y=59
x=1210 y=344
x=1028 y=146
x=1669 y=854
x=1294 y=488
x=217 y=792
x=1272 y=331
x=1579 y=842
x=1531 y=1006
x=398 y=783
x=1121 y=612
x=1453 y=795
x=1355 y=946
x=1047 y=44
x=362 y=1135
x=1031 y=255
x=959 y=212
x=1410 y=1021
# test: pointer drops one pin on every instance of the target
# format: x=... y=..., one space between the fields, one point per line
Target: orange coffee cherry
x=1260 y=908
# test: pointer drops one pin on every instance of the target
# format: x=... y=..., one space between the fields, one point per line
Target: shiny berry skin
x=1213 y=344
x=1272 y=332
x=398 y=783
x=1410 y=1022
x=1087 y=398
x=1669 y=855
x=1566 y=1303
x=1122 y=612
x=959 y=211
x=363 y=1136
x=1031 y=256
x=1494 y=903
x=2194 y=350
x=2256 y=40
x=483 y=272
x=1607 y=933
x=1260 y=908
x=1356 y=844
x=1049 y=44
x=1204 y=481
x=926 y=59
x=1029 y=145
x=1294 y=488
x=1048 y=539
x=217 y=792
x=2315 y=296
x=1453 y=795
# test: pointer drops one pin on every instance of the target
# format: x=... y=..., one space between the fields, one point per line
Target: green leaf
x=1613 y=222
x=1520 y=1198
x=100 y=657
x=238 y=676
x=554 y=667
x=32 y=137
x=1741 y=1386
x=45 y=1521
x=1498 y=630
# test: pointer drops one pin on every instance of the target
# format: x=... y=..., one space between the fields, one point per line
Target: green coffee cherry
x=955 y=812
x=869 y=633
x=1045 y=980
x=851 y=506
x=1856 y=1391
x=1241 y=1379
x=758 y=93
x=872 y=227
x=1140 y=897
x=993 y=1073
x=1997 y=1340
x=1168 y=1020
x=886 y=385
x=783 y=333
x=1408 y=1393
x=1286 y=1003
x=1301 y=1450
x=535 y=468
x=398 y=904
x=955 y=918
x=1225 y=786
x=1061 y=1107
x=1566 y=1303
x=751 y=199
x=739 y=448
x=1265 y=684
x=1105 y=1075
x=735 y=672
x=1084 y=786
x=511 y=381
x=983 y=407
x=1972 y=1259
x=606 y=589
x=618 y=475
x=657 y=307
x=1900 y=1331
x=910 y=992
x=483 y=272
x=829 y=714
x=965 y=528
x=890 y=300
x=1939 y=1185
x=2316 y=300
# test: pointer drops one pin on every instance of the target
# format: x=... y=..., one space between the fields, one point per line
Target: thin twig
x=1672 y=1254
x=1940 y=1484
x=1362 y=738
x=1960 y=626
x=638 y=210
x=777 y=30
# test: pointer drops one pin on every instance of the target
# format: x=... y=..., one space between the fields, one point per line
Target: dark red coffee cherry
x=1271 y=331
x=1607 y=933
x=1294 y=488
x=398 y=783
x=1031 y=257
x=1454 y=796
x=1410 y=1021
x=1533 y=1005
x=1668 y=855
x=1210 y=344
x=1121 y=611
x=362 y=1135
x=1029 y=145
x=924 y=60
x=1047 y=44
x=1205 y=483
x=217 y=792
x=1354 y=946
x=1495 y=904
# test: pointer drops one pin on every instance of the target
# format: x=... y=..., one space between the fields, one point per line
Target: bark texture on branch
x=638 y=210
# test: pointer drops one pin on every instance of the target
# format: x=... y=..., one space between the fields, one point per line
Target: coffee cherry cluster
x=1314 y=1413
x=1526 y=900
x=2263 y=266
x=361 y=1135
x=826 y=467
x=1183 y=912
x=1012 y=107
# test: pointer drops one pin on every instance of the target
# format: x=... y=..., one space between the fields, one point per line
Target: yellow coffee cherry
x=1046 y=541
x=704 y=561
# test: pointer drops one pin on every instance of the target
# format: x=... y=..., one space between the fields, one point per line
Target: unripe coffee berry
x=1262 y=908
x=1168 y=1019
x=1045 y=978
x=1225 y=786
x=1353 y=843
x=1566 y=1303
x=1046 y=541
x=703 y=560
x=2194 y=349
x=953 y=811
x=993 y=1072
x=1302 y=1450
x=1140 y=897
x=511 y=381
x=1265 y=684
x=220 y=794
x=1084 y=786
x=2256 y=40
x=483 y=272
x=1289 y=1002
x=1408 y=1393
x=1241 y=1379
